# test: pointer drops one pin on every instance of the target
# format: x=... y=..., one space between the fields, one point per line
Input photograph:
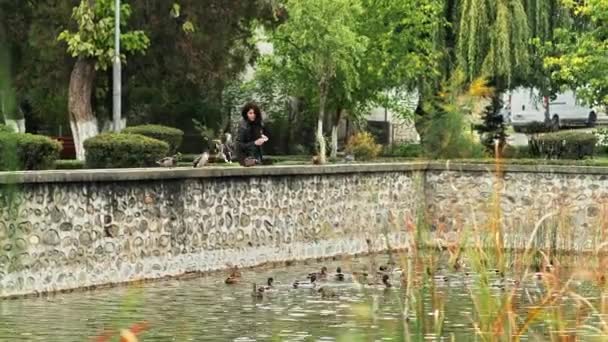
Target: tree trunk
x=334 y=133
x=82 y=120
x=320 y=138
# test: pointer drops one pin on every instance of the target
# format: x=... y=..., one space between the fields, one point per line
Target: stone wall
x=67 y=233
x=64 y=230
x=559 y=207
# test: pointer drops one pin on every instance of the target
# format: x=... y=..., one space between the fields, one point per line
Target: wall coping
x=118 y=175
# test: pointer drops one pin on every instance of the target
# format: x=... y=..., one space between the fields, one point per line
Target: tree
x=493 y=38
x=581 y=61
x=93 y=47
x=319 y=44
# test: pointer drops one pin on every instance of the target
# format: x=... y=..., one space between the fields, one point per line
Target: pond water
x=206 y=309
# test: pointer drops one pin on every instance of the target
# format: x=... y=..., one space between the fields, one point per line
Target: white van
x=524 y=106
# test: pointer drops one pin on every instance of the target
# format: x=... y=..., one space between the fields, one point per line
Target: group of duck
x=323 y=280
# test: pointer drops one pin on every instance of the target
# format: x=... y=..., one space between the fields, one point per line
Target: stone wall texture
x=66 y=230
x=65 y=235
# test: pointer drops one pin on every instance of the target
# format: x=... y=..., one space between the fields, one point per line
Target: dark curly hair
x=258 y=113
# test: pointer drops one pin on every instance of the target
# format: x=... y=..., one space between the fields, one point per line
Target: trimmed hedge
x=404 y=151
x=563 y=145
x=24 y=151
x=69 y=164
x=170 y=135
x=118 y=150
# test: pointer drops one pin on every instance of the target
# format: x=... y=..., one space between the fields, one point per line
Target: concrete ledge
x=118 y=175
x=513 y=168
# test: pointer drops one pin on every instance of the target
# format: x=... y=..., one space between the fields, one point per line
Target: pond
x=206 y=309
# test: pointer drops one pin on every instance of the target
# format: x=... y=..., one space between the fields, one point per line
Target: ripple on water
x=205 y=309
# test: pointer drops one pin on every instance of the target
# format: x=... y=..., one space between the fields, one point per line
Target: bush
x=69 y=164
x=117 y=150
x=602 y=137
x=405 y=151
x=563 y=145
x=363 y=146
x=6 y=129
x=24 y=151
x=516 y=152
x=170 y=135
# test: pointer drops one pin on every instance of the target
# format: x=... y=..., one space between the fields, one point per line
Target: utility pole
x=116 y=68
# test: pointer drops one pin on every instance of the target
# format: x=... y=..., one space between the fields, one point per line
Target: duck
x=269 y=284
x=320 y=275
x=385 y=282
x=307 y=284
x=201 y=160
x=234 y=277
x=169 y=161
x=327 y=292
x=339 y=276
x=258 y=291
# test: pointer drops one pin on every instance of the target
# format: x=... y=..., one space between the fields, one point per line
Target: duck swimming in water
x=339 y=276
x=258 y=292
x=234 y=277
x=319 y=275
x=327 y=292
x=310 y=284
x=269 y=284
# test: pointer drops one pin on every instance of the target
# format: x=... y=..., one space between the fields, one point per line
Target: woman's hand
x=259 y=142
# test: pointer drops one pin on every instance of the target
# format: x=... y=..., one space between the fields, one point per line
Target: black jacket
x=249 y=132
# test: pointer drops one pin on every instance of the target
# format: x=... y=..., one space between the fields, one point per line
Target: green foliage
x=95 y=36
x=24 y=151
x=117 y=150
x=363 y=146
x=515 y=152
x=6 y=129
x=404 y=151
x=448 y=136
x=69 y=164
x=493 y=39
x=172 y=136
x=537 y=127
x=581 y=61
x=563 y=145
x=448 y=129
x=602 y=137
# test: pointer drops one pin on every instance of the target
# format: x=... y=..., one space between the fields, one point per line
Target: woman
x=251 y=136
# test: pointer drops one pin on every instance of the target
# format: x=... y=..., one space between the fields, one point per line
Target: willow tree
x=320 y=46
x=493 y=38
x=93 y=47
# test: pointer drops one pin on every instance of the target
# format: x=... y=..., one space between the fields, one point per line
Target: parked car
x=525 y=106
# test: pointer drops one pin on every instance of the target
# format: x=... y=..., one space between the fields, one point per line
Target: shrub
x=170 y=135
x=537 y=127
x=69 y=164
x=6 y=129
x=363 y=146
x=515 y=152
x=405 y=151
x=116 y=150
x=24 y=151
x=602 y=137
x=563 y=145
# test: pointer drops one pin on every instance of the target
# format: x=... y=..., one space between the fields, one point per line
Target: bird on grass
x=201 y=160
x=169 y=161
